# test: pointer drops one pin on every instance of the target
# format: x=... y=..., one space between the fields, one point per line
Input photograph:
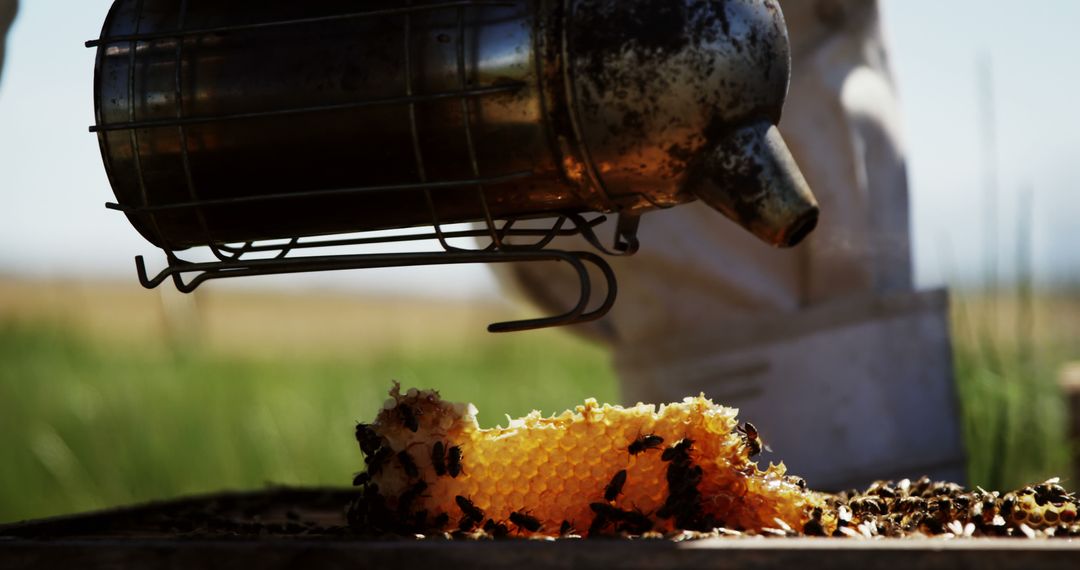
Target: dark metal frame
x=276 y=258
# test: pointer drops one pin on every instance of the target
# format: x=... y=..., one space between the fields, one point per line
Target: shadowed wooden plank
x=133 y=537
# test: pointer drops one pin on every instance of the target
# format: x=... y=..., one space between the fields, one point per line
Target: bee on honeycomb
x=684 y=470
x=552 y=468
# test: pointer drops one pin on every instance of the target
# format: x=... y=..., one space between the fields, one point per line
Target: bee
x=675 y=476
x=813 y=527
x=667 y=510
x=883 y=489
x=799 y=482
x=525 y=521
x=374 y=504
x=438 y=458
x=367 y=438
x=921 y=487
x=1051 y=493
x=361 y=478
x=681 y=502
x=375 y=463
x=844 y=515
x=681 y=450
x=645 y=443
x=598 y=525
x=869 y=504
x=635 y=522
x=981 y=507
x=408 y=464
x=453 y=464
x=943 y=489
x=566 y=528
x=1008 y=504
x=682 y=478
x=408 y=417
x=469 y=509
x=752 y=439
x=934 y=526
x=607 y=511
x=615 y=486
x=498 y=530
x=711 y=523
x=408 y=497
x=690 y=518
x=467 y=523
x=911 y=504
x=748 y=429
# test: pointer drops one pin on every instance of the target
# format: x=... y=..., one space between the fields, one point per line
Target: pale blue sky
x=53 y=222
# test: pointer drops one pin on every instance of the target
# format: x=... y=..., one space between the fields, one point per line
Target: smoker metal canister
x=248 y=120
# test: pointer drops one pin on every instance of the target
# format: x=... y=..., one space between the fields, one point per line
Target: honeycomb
x=597 y=469
x=682 y=470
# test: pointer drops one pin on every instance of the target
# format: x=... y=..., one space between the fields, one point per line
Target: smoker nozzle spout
x=750 y=176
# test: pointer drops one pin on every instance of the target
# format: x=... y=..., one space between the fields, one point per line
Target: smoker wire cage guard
x=264 y=132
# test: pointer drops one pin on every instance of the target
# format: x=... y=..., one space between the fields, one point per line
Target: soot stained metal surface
x=226 y=125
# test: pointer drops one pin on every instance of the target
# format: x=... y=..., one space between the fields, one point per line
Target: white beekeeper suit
x=826 y=347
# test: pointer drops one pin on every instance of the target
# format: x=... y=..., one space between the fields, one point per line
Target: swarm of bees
x=924 y=507
x=684 y=470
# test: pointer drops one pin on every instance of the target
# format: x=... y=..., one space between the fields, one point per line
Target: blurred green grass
x=1009 y=349
x=90 y=419
x=91 y=422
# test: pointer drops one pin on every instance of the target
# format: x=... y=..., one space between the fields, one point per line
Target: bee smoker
x=267 y=131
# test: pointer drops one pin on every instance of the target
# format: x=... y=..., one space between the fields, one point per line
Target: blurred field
x=110 y=394
x=1011 y=348
x=106 y=397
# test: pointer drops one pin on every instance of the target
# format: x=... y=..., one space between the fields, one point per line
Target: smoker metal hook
x=611 y=282
x=206 y=271
x=573 y=316
x=585 y=296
